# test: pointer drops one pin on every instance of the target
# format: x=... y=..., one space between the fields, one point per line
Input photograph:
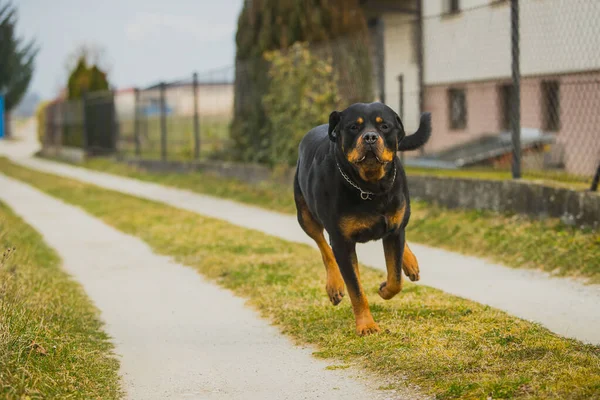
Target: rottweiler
x=350 y=182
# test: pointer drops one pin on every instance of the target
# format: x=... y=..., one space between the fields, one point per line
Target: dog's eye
x=354 y=128
x=384 y=127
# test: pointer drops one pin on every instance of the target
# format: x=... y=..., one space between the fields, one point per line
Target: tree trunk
x=7 y=127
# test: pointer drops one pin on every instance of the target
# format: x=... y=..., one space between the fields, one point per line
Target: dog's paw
x=412 y=273
x=410 y=265
x=386 y=293
x=335 y=293
x=367 y=328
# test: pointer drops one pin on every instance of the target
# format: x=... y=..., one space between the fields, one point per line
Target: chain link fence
x=451 y=58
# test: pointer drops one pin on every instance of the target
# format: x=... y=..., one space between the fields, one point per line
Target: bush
x=40 y=115
x=338 y=27
x=86 y=79
x=301 y=94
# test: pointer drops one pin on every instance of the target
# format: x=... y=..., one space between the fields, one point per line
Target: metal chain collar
x=364 y=194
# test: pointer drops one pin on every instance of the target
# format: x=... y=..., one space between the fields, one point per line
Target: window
x=457 y=101
x=551 y=105
x=451 y=6
x=505 y=93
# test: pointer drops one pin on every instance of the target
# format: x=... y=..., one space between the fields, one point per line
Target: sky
x=143 y=41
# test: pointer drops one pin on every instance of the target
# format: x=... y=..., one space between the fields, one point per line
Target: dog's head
x=368 y=136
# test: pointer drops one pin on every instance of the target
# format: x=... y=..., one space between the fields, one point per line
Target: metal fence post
x=163 y=123
x=515 y=109
x=84 y=125
x=596 y=179
x=401 y=104
x=421 y=61
x=64 y=128
x=196 y=119
x=136 y=121
x=116 y=127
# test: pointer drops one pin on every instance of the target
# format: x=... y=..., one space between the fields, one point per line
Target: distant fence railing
x=182 y=120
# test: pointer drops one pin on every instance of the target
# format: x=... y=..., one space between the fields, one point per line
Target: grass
x=447 y=346
x=548 y=178
x=51 y=339
x=513 y=240
x=214 y=134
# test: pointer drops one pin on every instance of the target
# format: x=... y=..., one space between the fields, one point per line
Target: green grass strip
x=51 y=340
x=447 y=346
x=512 y=240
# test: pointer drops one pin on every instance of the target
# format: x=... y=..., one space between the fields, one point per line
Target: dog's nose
x=370 y=137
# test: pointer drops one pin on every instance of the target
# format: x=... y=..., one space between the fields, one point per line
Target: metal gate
x=100 y=123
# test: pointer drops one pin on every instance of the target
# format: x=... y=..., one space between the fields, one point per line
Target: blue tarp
x=1 y=117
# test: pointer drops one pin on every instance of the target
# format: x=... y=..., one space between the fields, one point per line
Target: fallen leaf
x=38 y=348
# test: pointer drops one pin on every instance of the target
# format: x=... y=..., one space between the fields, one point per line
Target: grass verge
x=548 y=178
x=513 y=240
x=448 y=346
x=51 y=339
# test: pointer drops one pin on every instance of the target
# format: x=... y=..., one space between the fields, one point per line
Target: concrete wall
x=574 y=208
x=72 y=155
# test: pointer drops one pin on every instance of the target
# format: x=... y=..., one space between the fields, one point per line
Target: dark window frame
x=457 y=122
x=550 y=101
x=505 y=96
x=451 y=7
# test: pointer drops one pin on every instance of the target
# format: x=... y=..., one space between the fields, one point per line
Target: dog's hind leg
x=335 y=283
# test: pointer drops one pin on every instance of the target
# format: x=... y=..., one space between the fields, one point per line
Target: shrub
x=338 y=27
x=301 y=94
x=40 y=115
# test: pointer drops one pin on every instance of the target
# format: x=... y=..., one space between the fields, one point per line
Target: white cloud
x=145 y=25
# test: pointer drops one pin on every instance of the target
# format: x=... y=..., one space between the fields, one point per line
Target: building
x=214 y=98
x=457 y=54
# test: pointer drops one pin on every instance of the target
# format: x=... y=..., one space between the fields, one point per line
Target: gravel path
x=177 y=335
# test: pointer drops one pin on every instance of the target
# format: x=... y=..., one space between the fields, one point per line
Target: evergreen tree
x=16 y=61
x=85 y=79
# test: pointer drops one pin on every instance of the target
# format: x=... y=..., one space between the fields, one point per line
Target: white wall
x=400 y=58
x=560 y=36
x=470 y=45
x=557 y=36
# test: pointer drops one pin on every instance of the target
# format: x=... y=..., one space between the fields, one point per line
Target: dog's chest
x=364 y=227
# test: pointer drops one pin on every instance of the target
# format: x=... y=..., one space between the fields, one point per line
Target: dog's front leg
x=397 y=257
x=345 y=255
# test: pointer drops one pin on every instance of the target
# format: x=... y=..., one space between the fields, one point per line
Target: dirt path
x=177 y=335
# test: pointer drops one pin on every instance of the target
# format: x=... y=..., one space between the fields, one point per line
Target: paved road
x=177 y=335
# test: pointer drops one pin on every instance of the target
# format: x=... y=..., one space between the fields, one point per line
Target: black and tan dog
x=349 y=181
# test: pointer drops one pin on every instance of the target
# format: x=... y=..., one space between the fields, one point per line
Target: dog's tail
x=420 y=137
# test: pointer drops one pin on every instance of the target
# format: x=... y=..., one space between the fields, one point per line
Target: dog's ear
x=334 y=120
x=402 y=132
